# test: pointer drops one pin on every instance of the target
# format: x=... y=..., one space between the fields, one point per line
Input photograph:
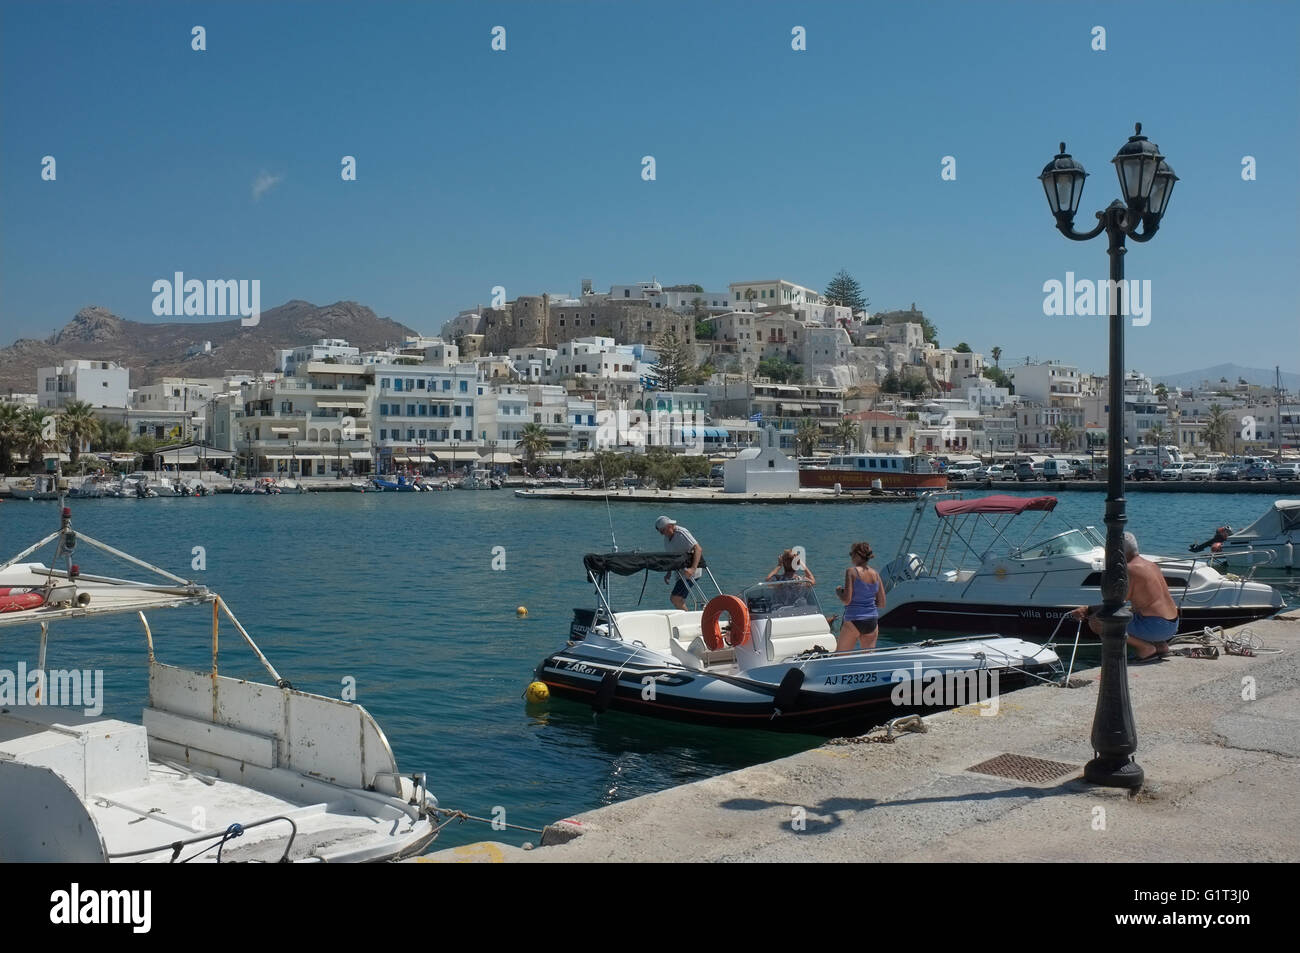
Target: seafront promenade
x=1219 y=740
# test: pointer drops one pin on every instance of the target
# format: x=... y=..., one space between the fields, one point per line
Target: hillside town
x=547 y=379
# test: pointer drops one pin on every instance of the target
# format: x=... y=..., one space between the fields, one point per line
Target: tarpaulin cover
x=628 y=564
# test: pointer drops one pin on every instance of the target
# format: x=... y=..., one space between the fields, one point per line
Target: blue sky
x=523 y=168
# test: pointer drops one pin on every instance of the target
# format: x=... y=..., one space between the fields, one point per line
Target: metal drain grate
x=1019 y=767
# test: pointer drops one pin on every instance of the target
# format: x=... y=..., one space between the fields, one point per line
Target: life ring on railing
x=16 y=600
x=734 y=607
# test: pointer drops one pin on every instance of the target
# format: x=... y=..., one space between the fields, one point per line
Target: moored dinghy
x=772 y=666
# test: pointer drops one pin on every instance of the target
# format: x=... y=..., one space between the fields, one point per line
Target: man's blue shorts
x=684 y=587
x=1152 y=628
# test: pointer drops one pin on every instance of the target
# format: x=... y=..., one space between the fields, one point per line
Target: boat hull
x=839 y=694
x=865 y=479
x=1040 y=623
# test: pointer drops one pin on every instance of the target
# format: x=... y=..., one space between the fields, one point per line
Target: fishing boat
x=401 y=484
x=984 y=565
x=221 y=768
x=35 y=488
x=770 y=665
x=1271 y=543
x=911 y=472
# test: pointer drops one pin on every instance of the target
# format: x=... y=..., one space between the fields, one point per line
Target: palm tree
x=1216 y=427
x=77 y=424
x=31 y=441
x=11 y=420
x=533 y=443
x=1156 y=435
x=848 y=432
x=1063 y=434
x=807 y=437
x=997 y=355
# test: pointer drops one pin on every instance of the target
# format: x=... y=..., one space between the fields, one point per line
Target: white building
x=762 y=469
x=98 y=383
x=770 y=293
x=424 y=413
x=289 y=360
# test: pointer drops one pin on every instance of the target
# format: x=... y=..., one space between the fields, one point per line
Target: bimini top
x=1282 y=517
x=629 y=564
x=995 y=504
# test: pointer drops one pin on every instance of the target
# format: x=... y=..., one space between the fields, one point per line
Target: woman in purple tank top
x=863 y=595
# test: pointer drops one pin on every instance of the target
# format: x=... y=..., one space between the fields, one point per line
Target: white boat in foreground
x=222 y=768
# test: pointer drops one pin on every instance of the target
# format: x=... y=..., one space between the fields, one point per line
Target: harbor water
x=409 y=601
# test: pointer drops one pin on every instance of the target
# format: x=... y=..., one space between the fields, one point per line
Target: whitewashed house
x=762 y=469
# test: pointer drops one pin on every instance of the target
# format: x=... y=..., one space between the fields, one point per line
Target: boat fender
x=787 y=693
x=605 y=693
x=736 y=609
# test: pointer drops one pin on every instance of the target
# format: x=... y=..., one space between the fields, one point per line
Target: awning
x=275 y=456
x=341 y=404
x=283 y=429
x=627 y=564
x=308 y=456
x=63 y=457
x=995 y=504
x=358 y=454
x=456 y=454
x=707 y=432
x=497 y=457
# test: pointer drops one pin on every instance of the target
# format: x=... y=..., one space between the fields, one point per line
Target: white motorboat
x=292 y=775
x=772 y=665
x=1270 y=544
x=480 y=478
x=980 y=571
x=290 y=485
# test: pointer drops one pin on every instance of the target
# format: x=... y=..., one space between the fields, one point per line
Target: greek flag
x=755 y=418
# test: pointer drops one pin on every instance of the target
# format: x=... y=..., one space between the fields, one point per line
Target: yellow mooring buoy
x=522 y=612
x=537 y=692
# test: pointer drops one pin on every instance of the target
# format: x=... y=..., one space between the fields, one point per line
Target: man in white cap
x=678 y=539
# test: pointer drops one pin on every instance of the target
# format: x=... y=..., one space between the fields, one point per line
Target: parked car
x=962 y=473
x=1082 y=468
x=1029 y=471
x=1173 y=471
x=1057 y=470
x=1286 y=471
x=1143 y=473
x=1198 y=471
x=1256 y=471
x=1228 y=471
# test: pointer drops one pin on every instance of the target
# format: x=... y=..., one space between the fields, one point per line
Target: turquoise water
x=398 y=592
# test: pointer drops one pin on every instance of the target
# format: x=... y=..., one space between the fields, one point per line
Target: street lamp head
x=1160 y=193
x=1062 y=180
x=1136 y=163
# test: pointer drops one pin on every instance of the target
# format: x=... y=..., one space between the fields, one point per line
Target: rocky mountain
x=1232 y=372
x=153 y=350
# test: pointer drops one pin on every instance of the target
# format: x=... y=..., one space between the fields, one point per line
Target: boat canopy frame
x=600 y=566
x=961 y=524
x=175 y=592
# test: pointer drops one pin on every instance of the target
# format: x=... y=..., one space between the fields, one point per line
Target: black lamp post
x=1147 y=182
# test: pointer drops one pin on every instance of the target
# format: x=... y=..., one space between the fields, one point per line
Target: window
x=469 y=411
x=457 y=410
x=410 y=434
x=423 y=433
x=397 y=383
x=410 y=383
x=383 y=410
x=410 y=410
x=419 y=384
x=464 y=387
x=383 y=433
x=424 y=410
x=446 y=385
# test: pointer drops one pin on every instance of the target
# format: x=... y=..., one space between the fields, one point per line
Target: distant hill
x=152 y=351
x=1252 y=375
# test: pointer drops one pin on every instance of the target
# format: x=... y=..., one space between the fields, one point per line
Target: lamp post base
x=1113 y=772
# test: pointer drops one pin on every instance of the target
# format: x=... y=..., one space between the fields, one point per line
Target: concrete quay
x=1219 y=741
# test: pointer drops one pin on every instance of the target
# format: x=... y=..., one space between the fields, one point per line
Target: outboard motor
x=1215 y=542
x=580 y=627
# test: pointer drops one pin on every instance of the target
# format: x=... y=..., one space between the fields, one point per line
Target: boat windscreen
x=779 y=599
x=629 y=564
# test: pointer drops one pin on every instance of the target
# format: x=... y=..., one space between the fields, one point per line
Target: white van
x=1057 y=470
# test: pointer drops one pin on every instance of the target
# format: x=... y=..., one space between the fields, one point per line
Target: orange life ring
x=734 y=607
